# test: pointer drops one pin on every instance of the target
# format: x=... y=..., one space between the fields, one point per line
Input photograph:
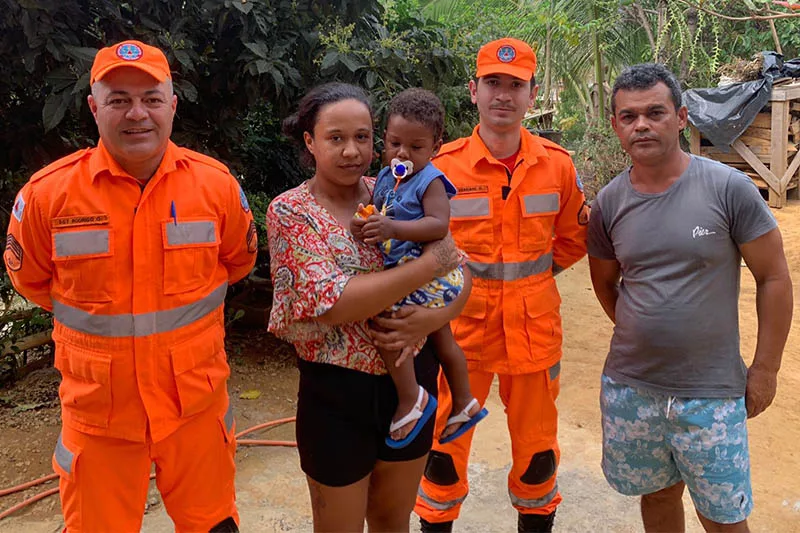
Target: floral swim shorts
x=652 y=441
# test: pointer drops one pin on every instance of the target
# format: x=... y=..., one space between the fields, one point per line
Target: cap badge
x=506 y=54
x=129 y=51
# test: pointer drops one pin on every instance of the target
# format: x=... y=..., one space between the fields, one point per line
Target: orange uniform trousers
x=104 y=481
x=529 y=401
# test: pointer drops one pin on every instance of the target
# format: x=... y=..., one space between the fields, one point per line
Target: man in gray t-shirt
x=666 y=240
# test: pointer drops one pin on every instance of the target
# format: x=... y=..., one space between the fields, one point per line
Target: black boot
x=435 y=527
x=535 y=523
x=226 y=526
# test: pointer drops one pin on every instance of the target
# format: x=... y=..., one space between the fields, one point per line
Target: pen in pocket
x=173 y=213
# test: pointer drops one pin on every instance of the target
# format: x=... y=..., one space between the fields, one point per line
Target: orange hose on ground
x=50 y=477
x=29 y=484
x=22 y=505
x=266 y=425
x=250 y=442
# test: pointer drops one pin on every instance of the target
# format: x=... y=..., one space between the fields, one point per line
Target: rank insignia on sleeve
x=13 y=254
x=252 y=238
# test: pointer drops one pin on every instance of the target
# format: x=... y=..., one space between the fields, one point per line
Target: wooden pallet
x=768 y=150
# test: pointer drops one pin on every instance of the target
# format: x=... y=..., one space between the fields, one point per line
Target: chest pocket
x=471 y=223
x=538 y=220
x=84 y=264
x=191 y=252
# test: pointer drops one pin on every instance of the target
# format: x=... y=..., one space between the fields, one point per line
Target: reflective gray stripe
x=190 y=233
x=555 y=370
x=142 y=324
x=81 y=243
x=511 y=271
x=229 y=417
x=533 y=504
x=442 y=506
x=536 y=204
x=471 y=207
x=63 y=456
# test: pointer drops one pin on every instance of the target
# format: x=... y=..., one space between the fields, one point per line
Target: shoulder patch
x=243 y=200
x=453 y=146
x=205 y=159
x=19 y=207
x=59 y=164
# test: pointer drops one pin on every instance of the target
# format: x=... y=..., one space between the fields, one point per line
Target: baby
x=411 y=207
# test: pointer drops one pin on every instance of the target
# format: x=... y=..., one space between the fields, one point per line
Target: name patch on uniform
x=19 y=208
x=252 y=238
x=13 y=254
x=79 y=220
x=473 y=188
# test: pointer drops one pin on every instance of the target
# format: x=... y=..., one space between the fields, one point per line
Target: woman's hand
x=444 y=253
x=409 y=324
x=357 y=227
x=401 y=329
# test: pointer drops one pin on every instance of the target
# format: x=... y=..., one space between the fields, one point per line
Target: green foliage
x=399 y=49
x=267 y=159
x=598 y=157
x=12 y=330
x=234 y=63
x=571 y=117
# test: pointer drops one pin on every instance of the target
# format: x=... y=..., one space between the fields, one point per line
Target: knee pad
x=226 y=526
x=541 y=468
x=440 y=469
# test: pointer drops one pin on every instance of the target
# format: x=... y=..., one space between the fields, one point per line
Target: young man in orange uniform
x=132 y=246
x=520 y=215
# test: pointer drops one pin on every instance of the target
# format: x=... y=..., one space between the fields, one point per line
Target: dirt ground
x=271 y=489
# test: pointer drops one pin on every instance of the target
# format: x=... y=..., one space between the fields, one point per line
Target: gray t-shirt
x=677 y=319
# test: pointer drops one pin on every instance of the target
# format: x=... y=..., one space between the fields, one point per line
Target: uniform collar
x=530 y=149
x=101 y=162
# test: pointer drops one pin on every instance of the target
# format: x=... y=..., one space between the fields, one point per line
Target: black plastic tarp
x=723 y=113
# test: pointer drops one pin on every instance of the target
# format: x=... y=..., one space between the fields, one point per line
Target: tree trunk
x=643 y=20
x=580 y=90
x=691 y=23
x=775 y=38
x=598 y=70
x=662 y=20
x=548 y=55
x=548 y=72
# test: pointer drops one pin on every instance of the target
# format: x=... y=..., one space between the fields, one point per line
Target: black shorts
x=343 y=419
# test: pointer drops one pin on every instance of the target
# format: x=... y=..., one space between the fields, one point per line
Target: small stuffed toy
x=366 y=212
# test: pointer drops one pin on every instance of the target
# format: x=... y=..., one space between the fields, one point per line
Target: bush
x=598 y=158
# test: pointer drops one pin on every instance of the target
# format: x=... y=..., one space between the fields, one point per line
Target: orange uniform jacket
x=136 y=280
x=516 y=228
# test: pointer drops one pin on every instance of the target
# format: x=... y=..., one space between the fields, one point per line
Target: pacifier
x=401 y=169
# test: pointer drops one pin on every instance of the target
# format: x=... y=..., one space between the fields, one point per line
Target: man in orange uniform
x=132 y=246
x=520 y=215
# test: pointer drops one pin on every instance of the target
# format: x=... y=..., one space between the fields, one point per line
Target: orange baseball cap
x=134 y=54
x=507 y=56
